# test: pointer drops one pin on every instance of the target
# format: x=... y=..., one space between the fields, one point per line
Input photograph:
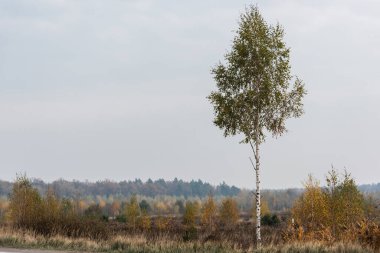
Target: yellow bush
x=229 y=212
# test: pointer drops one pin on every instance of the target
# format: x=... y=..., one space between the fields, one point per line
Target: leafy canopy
x=256 y=91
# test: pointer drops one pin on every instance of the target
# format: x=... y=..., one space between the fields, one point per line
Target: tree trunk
x=258 y=197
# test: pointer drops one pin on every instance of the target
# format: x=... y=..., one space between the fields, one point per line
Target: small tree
x=256 y=92
x=209 y=213
x=229 y=212
x=190 y=214
x=334 y=209
x=311 y=209
x=51 y=206
x=132 y=211
x=345 y=202
x=25 y=204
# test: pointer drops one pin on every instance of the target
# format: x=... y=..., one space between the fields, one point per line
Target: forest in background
x=165 y=197
x=149 y=188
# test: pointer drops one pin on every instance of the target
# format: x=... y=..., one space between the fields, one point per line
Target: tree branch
x=253 y=165
x=253 y=149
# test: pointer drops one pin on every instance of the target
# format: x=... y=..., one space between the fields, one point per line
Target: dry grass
x=140 y=243
x=316 y=247
x=135 y=243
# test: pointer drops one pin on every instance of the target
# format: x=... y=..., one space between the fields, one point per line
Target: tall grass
x=315 y=247
x=140 y=243
x=119 y=243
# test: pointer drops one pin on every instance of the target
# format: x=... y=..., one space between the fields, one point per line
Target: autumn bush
x=229 y=212
x=190 y=214
x=310 y=211
x=26 y=205
x=209 y=213
x=337 y=212
x=144 y=221
x=49 y=215
x=132 y=212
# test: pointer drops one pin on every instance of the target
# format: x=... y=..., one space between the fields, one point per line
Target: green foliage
x=144 y=206
x=255 y=88
x=256 y=92
x=121 y=218
x=270 y=220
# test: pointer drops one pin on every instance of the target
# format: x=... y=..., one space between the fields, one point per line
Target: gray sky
x=116 y=89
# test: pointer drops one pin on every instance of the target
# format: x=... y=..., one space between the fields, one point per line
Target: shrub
x=94 y=212
x=25 y=204
x=209 y=213
x=191 y=211
x=330 y=213
x=190 y=234
x=144 y=206
x=311 y=209
x=229 y=212
x=144 y=221
x=270 y=220
x=132 y=211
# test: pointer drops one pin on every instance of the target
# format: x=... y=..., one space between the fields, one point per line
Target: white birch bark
x=258 y=197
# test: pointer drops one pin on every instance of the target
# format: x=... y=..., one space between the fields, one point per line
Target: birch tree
x=256 y=92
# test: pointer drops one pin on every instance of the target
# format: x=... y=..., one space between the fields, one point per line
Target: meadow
x=334 y=218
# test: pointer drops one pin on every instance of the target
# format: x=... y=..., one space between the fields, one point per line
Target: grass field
x=136 y=244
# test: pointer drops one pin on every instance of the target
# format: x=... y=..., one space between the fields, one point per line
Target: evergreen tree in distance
x=256 y=91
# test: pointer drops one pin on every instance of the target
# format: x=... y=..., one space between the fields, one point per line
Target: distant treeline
x=370 y=188
x=277 y=199
x=150 y=188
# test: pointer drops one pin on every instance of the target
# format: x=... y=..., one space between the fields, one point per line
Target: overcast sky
x=117 y=89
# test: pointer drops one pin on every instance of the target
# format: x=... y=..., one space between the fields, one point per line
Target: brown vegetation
x=210 y=223
x=338 y=212
x=229 y=212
